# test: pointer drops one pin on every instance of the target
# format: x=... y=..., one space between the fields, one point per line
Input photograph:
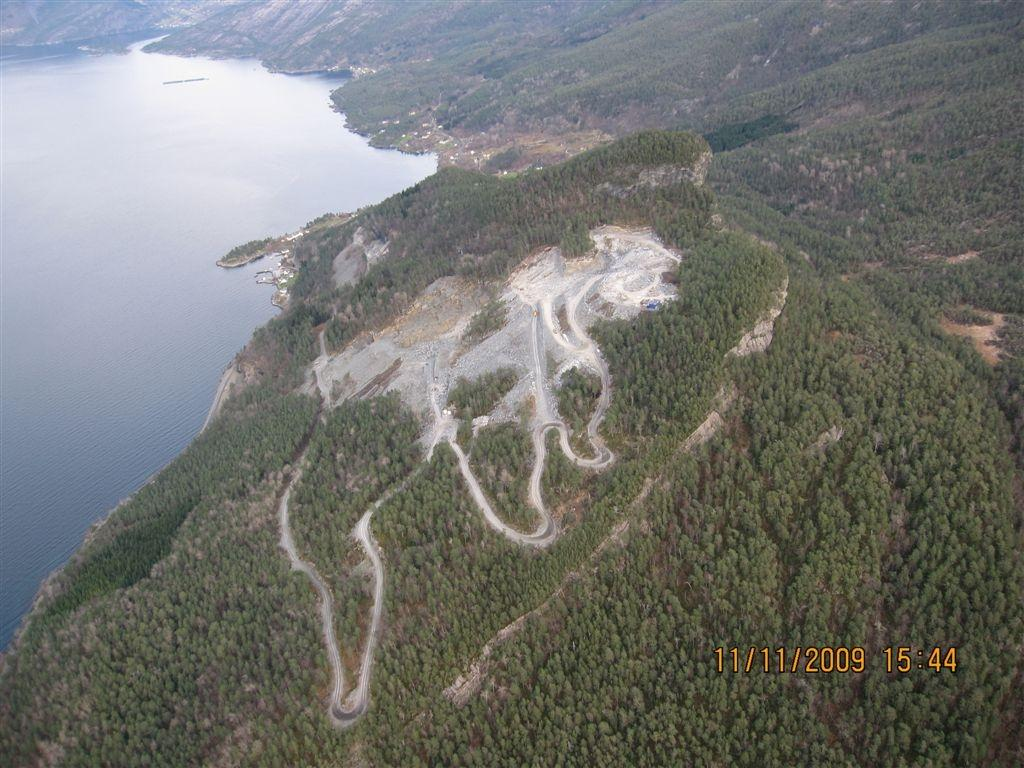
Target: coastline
x=255 y=250
x=193 y=53
x=220 y=396
x=227 y=379
x=507 y=151
x=240 y=263
x=470 y=152
x=49 y=584
x=46 y=585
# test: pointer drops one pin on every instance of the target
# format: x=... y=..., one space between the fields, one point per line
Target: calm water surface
x=118 y=194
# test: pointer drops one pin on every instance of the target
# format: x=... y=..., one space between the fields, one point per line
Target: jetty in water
x=189 y=80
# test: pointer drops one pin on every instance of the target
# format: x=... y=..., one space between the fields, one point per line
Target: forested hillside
x=534 y=80
x=816 y=439
x=828 y=513
x=43 y=22
x=348 y=35
x=480 y=227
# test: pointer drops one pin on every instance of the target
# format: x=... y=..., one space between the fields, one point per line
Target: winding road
x=358 y=700
x=547 y=530
x=345 y=711
x=326 y=601
x=586 y=350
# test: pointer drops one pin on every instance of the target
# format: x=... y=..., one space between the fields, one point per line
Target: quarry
x=621 y=277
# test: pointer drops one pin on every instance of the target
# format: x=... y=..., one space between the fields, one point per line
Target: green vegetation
x=590 y=76
x=479 y=397
x=904 y=147
x=287 y=343
x=668 y=365
x=242 y=630
x=502 y=457
x=324 y=219
x=576 y=240
x=486 y=321
x=562 y=481
x=863 y=488
x=455 y=585
x=363 y=448
x=736 y=135
x=224 y=463
x=577 y=398
x=760 y=538
x=182 y=608
x=241 y=254
x=761 y=542
x=504 y=160
x=967 y=316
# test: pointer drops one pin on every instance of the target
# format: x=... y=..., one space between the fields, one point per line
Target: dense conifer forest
x=858 y=483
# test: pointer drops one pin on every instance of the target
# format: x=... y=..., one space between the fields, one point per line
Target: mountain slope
x=41 y=22
x=346 y=34
x=777 y=493
x=903 y=118
x=726 y=404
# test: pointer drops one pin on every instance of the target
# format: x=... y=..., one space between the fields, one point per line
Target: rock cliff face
x=759 y=338
x=664 y=176
x=667 y=175
x=353 y=260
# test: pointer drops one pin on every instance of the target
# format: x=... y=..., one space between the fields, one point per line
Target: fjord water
x=118 y=194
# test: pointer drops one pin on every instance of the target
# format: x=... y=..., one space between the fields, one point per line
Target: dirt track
x=326 y=601
x=630 y=267
x=547 y=531
x=226 y=380
x=358 y=701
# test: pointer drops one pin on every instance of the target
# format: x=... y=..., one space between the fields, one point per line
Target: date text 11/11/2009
x=833 y=659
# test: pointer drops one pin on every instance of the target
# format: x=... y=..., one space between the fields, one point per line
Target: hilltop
x=690 y=437
x=529 y=444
